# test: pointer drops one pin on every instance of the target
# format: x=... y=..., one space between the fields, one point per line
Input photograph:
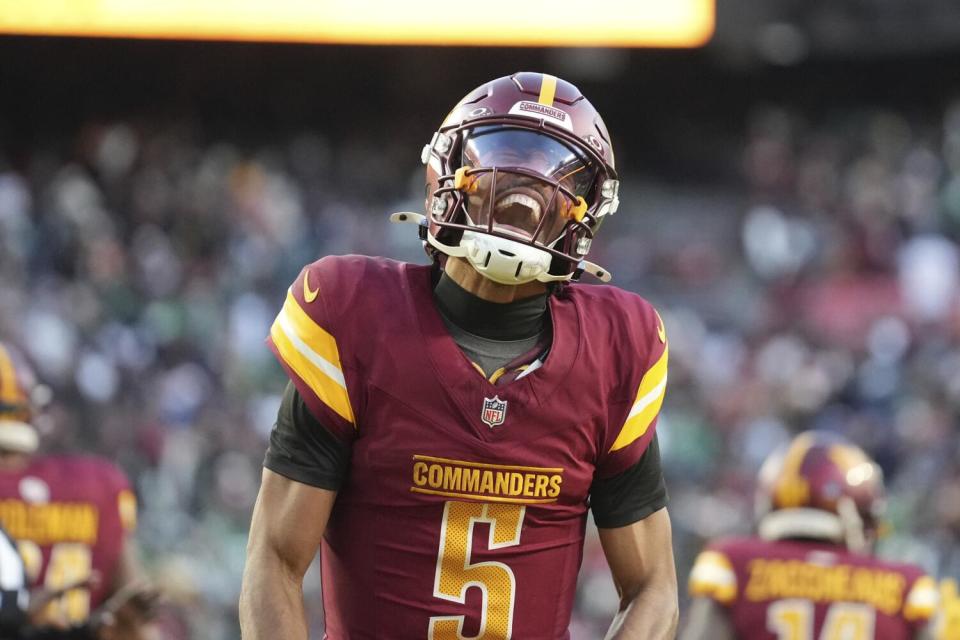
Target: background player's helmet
x=820 y=486
x=520 y=176
x=17 y=386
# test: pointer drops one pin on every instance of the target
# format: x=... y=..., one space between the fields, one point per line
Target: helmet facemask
x=516 y=206
x=520 y=175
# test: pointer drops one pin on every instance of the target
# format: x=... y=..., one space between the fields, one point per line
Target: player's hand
x=127 y=613
x=39 y=614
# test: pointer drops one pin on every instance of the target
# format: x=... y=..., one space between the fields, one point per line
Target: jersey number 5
x=455 y=574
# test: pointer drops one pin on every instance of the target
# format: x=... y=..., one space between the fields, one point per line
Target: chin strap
x=409 y=217
x=595 y=270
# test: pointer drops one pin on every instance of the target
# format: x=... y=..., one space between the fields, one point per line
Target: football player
x=72 y=516
x=447 y=427
x=809 y=573
x=19 y=607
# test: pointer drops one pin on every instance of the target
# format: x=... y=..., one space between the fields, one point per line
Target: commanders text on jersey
x=497 y=482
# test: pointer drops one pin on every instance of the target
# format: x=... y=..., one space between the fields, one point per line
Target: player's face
x=519 y=203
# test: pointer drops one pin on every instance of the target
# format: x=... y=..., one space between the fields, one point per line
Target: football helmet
x=17 y=386
x=519 y=177
x=820 y=486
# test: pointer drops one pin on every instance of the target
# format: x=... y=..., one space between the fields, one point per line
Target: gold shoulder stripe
x=922 y=601
x=548 y=89
x=127 y=507
x=647 y=405
x=713 y=577
x=312 y=353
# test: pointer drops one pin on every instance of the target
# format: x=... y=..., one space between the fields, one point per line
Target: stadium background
x=791 y=204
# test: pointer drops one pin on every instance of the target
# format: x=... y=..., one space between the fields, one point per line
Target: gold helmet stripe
x=8 y=378
x=847 y=457
x=548 y=88
x=792 y=490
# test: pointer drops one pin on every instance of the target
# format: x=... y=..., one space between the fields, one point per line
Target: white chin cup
x=504 y=261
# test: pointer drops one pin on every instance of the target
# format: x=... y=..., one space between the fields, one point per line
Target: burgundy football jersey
x=69 y=516
x=463 y=511
x=802 y=590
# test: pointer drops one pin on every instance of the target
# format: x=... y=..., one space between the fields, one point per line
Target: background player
x=809 y=573
x=556 y=400
x=72 y=516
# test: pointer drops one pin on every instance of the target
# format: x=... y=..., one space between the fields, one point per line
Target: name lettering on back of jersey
x=50 y=523
x=487 y=482
x=781 y=579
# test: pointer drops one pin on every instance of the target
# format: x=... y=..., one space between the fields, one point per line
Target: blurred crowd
x=142 y=266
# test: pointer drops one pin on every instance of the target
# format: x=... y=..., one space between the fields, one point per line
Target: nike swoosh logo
x=308 y=295
x=661 y=331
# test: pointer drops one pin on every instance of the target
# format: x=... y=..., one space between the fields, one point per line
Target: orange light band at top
x=611 y=23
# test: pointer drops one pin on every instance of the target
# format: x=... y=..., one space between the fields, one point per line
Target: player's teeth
x=521 y=199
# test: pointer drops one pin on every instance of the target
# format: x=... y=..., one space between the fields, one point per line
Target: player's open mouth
x=518 y=212
x=521 y=200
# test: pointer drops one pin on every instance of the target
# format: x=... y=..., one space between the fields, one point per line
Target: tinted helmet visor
x=535 y=191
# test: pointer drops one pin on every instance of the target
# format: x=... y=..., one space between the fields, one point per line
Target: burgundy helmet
x=17 y=387
x=520 y=176
x=820 y=486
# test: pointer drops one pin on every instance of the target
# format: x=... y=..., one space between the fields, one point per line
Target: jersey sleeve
x=713 y=577
x=632 y=495
x=304 y=339
x=922 y=601
x=119 y=495
x=947 y=624
x=635 y=423
x=302 y=449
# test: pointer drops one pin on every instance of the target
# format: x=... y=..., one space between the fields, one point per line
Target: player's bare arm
x=707 y=620
x=641 y=561
x=289 y=519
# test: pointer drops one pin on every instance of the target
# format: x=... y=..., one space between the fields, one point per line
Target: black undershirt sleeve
x=50 y=633
x=632 y=495
x=302 y=449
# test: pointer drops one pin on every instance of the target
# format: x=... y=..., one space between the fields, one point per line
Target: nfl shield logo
x=494 y=411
